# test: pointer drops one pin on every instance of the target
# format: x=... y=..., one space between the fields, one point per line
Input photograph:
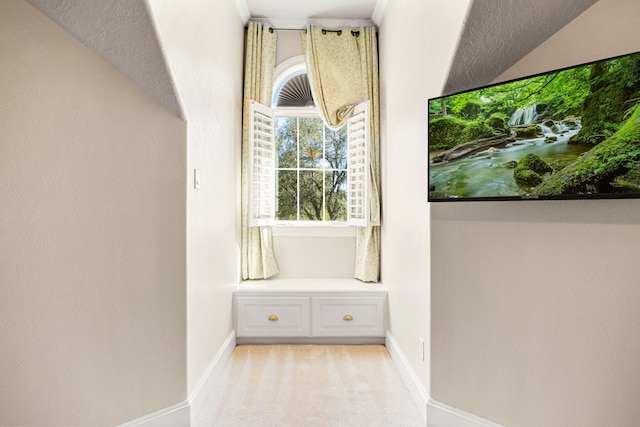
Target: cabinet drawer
x=272 y=316
x=347 y=316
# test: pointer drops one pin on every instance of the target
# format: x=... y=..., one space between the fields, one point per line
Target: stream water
x=485 y=174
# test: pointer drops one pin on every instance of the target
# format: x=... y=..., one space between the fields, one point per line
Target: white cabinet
x=347 y=316
x=283 y=312
x=272 y=316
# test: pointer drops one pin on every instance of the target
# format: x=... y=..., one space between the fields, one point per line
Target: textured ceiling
x=121 y=32
x=498 y=33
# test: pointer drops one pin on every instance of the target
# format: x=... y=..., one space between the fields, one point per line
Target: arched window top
x=291 y=84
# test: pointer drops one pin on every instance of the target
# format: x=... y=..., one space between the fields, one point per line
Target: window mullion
x=298 y=168
x=324 y=175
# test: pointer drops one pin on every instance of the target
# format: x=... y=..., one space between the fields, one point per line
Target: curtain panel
x=342 y=66
x=257 y=256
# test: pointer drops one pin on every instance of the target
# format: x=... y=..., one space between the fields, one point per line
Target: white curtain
x=342 y=65
x=258 y=259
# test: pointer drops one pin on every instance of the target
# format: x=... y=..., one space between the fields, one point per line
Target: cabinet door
x=347 y=316
x=272 y=316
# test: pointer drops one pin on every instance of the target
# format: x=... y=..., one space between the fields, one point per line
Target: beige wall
x=417 y=39
x=203 y=42
x=535 y=314
x=289 y=44
x=92 y=236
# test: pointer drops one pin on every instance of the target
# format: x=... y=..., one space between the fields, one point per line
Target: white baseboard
x=435 y=414
x=417 y=390
x=198 y=397
x=442 y=415
x=173 y=416
x=184 y=413
x=310 y=340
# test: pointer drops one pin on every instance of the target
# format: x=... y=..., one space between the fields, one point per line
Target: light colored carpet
x=310 y=385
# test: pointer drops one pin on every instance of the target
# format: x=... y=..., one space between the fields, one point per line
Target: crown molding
x=378 y=11
x=243 y=10
x=301 y=24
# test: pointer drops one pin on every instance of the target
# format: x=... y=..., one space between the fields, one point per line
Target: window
x=302 y=171
x=310 y=169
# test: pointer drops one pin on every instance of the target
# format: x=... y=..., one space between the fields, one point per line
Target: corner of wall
x=198 y=397
x=416 y=389
x=378 y=11
x=184 y=414
x=243 y=11
x=442 y=415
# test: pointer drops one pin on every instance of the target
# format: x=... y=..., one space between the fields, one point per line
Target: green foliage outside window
x=311 y=170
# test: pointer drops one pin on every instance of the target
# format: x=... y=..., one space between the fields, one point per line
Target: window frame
x=284 y=72
x=303 y=112
x=254 y=220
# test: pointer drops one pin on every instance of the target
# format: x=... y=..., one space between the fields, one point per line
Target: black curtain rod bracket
x=354 y=33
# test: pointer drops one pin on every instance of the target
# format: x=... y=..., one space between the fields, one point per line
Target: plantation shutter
x=358 y=166
x=261 y=166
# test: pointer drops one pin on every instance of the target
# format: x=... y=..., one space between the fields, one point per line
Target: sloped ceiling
x=122 y=33
x=496 y=34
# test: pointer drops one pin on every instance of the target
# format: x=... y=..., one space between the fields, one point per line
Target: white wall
x=92 y=238
x=417 y=39
x=203 y=42
x=535 y=314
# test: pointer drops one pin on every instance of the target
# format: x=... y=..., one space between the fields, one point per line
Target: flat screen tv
x=564 y=134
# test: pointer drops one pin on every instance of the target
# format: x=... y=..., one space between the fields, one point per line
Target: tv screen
x=569 y=133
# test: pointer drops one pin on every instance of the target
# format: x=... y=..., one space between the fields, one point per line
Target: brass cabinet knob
x=273 y=317
x=347 y=317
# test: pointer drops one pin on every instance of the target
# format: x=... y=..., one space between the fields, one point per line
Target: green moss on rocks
x=511 y=164
x=476 y=130
x=605 y=106
x=527 y=132
x=527 y=177
x=629 y=182
x=530 y=170
x=446 y=132
x=603 y=165
x=498 y=122
x=534 y=163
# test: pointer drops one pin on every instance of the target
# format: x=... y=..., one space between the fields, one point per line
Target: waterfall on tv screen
x=524 y=116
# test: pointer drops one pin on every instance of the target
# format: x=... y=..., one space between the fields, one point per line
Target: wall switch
x=421 y=347
x=196 y=179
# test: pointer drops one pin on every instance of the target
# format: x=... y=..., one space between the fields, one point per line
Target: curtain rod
x=301 y=24
x=272 y=29
x=355 y=33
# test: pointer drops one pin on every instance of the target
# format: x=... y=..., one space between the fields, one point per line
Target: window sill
x=297 y=230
